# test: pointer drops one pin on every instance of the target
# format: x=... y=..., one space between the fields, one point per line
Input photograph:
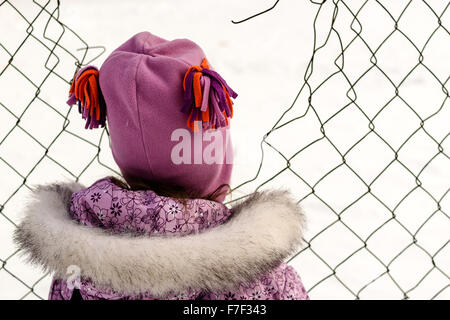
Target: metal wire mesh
x=332 y=31
x=312 y=88
x=34 y=27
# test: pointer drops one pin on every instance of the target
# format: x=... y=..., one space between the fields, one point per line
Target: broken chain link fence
x=377 y=143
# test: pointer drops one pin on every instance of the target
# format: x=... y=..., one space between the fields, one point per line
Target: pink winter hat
x=154 y=90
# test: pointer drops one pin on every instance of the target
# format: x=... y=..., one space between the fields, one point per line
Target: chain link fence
x=362 y=146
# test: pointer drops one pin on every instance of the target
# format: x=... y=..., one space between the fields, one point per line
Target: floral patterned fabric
x=105 y=205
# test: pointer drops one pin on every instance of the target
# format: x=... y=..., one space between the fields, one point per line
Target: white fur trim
x=263 y=230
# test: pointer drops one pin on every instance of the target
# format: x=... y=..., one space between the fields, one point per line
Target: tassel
x=85 y=92
x=207 y=98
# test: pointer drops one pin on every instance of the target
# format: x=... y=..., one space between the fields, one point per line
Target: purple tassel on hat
x=207 y=98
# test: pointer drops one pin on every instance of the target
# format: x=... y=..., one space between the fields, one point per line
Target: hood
x=260 y=233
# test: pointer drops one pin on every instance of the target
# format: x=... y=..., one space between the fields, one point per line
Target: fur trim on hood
x=262 y=231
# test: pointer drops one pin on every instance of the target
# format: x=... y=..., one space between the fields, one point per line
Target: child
x=163 y=233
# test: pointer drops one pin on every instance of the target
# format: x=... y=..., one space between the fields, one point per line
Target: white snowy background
x=353 y=238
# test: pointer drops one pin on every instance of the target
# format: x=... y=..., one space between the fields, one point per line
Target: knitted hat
x=167 y=112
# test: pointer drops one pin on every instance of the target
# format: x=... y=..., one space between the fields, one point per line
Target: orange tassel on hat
x=207 y=97
x=85 y=92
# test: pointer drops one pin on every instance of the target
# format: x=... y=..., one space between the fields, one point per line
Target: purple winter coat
x=113 y=243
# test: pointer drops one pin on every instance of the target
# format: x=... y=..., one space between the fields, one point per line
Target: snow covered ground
x=353 y=238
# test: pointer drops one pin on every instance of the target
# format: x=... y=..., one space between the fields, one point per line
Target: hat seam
x=151 y=49
x=139 y=115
